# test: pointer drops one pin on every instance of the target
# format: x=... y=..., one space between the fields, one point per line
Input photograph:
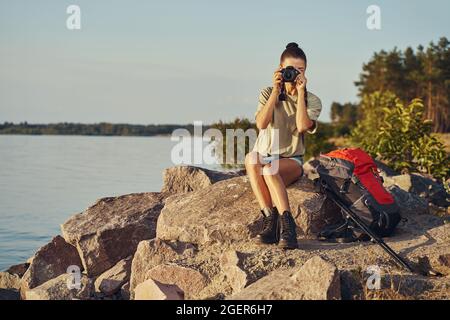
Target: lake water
x=46 y=179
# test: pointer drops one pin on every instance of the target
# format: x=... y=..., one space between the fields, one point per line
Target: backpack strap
x=345 y=186
x=353 y=179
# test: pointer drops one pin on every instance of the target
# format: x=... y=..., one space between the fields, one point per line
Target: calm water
x=46 y=179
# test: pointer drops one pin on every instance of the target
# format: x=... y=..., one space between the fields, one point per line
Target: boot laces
x=267 y=221
x=288 y=225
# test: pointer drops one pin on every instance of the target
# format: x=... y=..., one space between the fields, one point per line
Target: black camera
x=289 y=74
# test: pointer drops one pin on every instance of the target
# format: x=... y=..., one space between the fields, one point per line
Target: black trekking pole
x=350 y=214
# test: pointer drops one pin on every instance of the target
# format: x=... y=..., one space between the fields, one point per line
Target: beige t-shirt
x=291 y=142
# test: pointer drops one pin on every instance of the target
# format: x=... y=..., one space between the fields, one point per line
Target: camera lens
x=289 y=75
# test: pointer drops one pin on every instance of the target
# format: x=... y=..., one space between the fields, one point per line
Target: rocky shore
x=195 y=239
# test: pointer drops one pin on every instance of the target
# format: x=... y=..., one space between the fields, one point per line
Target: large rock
x=191 y=281
x=19 y=269
x=228 y=211
x=112 y=280
x=9 y=286
x=155 y=290
x=311 y=209
x=409 y=203
x=111 y=229
x=182 y=179
x=59 y=289
x=319 y=280
x=9 y=281
x=49 y=262
x=150 y=253
x=231 y=265
x=420 y=185
x=315 y=280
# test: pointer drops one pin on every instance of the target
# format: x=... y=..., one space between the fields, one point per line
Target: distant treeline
x=423 y=73
x=96 y=129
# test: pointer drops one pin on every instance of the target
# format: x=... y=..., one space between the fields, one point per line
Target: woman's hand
x=300 y=83
x=277 y=81
x=265 y=116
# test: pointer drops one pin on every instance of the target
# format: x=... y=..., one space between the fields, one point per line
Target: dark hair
x=293 y=51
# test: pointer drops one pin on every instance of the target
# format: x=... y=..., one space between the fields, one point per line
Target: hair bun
x=292 y=45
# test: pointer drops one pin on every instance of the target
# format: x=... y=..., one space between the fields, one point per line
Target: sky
x=176 y=62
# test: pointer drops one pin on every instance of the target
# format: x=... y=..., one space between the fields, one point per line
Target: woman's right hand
x=277 y=81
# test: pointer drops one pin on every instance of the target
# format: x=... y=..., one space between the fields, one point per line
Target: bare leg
x=288 y=172
x=257 y=182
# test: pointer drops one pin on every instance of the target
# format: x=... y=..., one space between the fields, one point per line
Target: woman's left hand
x=300 y=83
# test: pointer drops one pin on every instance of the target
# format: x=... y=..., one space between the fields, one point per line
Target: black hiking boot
x=270 y=229
x=288 y=237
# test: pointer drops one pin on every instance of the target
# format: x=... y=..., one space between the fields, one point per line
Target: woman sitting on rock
x=285 y=112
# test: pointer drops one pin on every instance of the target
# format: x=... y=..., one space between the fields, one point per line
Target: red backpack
x=353 y=177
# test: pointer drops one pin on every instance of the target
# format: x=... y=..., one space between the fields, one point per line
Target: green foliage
x=424 y=74
x=397 y=134
x=318 y=143
x=371 y=117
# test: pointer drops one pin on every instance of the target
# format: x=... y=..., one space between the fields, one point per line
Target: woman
x=277 y=158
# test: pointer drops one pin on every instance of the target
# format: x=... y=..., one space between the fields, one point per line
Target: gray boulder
x=317 y=279
x=49 y=262
x=19 y=269
x=9 y=281
x=228 y=212
x=112 y=280
x=59 y=289
x=191 y=281
x=155 y=290
x=420 y=185
x=9 y=286
x=182 y=179
x=111 y=229
x=151 y=253
x=409 y=203
x=232 y=267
